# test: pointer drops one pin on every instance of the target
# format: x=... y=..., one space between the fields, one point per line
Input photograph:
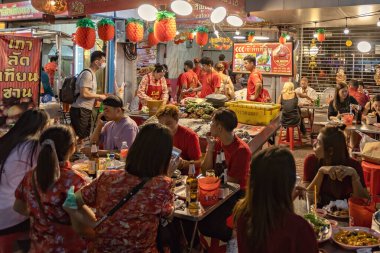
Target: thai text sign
x=20 y=64
x=271 y=58
x=18 y=11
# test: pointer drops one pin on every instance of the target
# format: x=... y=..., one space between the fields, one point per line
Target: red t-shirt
x=210 y=81
x=360 y=97
x=238 y=159
x=188 y=80
x=254 y=78
x=331 y=189
x=198 y=71
x=187 y=140
x=295 y=236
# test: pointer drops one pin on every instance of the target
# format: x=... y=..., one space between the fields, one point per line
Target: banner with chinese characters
x=271 y=58
x=20 y=65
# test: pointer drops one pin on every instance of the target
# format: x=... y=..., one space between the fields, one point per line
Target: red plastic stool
x=374 y=179
x=289 y=138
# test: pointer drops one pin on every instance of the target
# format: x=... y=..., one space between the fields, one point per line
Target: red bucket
x=360 y=211
x=208 y=190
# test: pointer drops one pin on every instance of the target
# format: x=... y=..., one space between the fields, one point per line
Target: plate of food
x=352 y=238
x=337 y=209
x=321 y=226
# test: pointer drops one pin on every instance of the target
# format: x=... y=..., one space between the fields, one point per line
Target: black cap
x=113 y=101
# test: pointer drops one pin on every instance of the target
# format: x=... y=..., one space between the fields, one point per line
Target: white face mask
x=103 y=65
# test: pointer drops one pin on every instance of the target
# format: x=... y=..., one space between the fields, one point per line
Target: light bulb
x=52 y=3
x=315 y=35
x=176 y=33
x=147 y=12
x=287 y=37
x=237 y=32
x=216 y=32
x=346 y=31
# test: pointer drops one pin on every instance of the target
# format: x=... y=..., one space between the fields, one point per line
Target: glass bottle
x=94 y=159
x=192 y=191
x=123 y=151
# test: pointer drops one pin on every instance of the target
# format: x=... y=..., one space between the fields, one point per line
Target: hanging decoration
x=85 y=34
x=191 y=35
x=321 y=36
x=201 y=36
x=221 y=43
x=106 y=29
x=227 y=43
x=180 y=38
x=134 y=29
x=313 y=56
x=282 y=39
x=152 y=40
x=251 y=37
x=348 y=43
x=165 y=26
x=52 y=7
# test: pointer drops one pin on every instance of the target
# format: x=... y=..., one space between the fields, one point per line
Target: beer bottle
x=192 y=191
x=218 y=165
x=359 y=115
x=94 y=158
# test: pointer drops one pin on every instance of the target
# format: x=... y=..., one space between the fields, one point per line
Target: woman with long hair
x=373 y=108
x=226 y=85
x=264 y=218
x=341 y=102
x=133 y=227
x=18 y=155
x=41 y=193
x=335 y=174
x=290 y=113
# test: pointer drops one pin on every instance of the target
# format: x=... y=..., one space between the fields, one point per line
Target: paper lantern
x=191 y=35
x=282 y=39
x=106 y=29
x=321 y=35
x=201 y=36
x=251 y=37
x=165 y=26
x=52 y=7
x=85 y=34
x=152 y=40
x=134 y=29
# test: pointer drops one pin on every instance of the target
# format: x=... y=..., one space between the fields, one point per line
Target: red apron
x=153 y=91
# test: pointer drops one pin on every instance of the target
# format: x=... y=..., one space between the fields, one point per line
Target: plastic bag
x=365 y=139
x=71 y=201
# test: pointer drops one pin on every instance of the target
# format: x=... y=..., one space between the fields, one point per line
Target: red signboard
x=20 y=64
x=271 y=58
x=18 y=11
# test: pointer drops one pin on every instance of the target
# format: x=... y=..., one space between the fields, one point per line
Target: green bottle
x=101 y=108
x=318 y=101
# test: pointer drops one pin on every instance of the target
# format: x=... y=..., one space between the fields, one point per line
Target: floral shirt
x=149 y=80
x=132 y=228
x=43 y=232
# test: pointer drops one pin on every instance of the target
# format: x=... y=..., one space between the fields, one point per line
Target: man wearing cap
x=114 y=128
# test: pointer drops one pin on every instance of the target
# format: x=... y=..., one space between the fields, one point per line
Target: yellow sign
x=2 y=25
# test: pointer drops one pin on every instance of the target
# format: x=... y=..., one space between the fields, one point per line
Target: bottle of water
x=111 y=165
x=123 y=151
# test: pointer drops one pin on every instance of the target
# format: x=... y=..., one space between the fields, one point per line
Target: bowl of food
x=337 y=209
x=321 y=226
x=352 y=238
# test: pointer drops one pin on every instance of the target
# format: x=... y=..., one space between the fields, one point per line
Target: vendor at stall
x=114 y=128
x=238 y=158
x=153 y=86
x=255 y=81
x=189 y=84
x=183 y=138
x=209 y=78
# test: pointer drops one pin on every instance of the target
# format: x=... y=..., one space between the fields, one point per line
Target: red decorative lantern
x=134 y=29
x=251 y=37
x=165 y=26
x=191 y=35
x=202 y=36
x=282 y=39
x=321 y=36
x=85 y=35
x=152 y=41
x=106 y=29
x=52 y=7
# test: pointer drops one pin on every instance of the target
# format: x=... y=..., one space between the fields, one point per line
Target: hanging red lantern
x=321 y=36
x=85 y=35
x=152 y=40
x=165 y=26
x=134 y=29
x=106 y=29
x=251 y=37
x=191 y=35
x=282 y=39
x=201 y=36
x=73 y=38
x=52 y=7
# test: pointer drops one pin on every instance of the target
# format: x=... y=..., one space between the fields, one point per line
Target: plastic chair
x=374 y=179
x=289 y=138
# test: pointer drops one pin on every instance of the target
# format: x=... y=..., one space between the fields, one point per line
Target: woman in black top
x=290 y=115
x=341 y=102
x=373 y=107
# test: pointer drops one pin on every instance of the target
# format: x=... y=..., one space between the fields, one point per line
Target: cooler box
x=254 y=113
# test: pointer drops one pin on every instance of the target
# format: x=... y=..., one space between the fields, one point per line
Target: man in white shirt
x=306 y=96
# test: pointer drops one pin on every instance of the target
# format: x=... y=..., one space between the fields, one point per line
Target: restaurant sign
x=271 y=58
x=18 y=11
x=20 y=63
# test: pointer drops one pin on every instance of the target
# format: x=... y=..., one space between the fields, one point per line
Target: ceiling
x=307 y=17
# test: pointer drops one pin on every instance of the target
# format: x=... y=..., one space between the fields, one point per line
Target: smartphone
x=176 y=152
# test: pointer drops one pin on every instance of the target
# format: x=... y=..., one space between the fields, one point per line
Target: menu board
x=271 y=58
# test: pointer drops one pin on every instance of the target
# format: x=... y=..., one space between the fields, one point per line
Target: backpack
x=67 y=94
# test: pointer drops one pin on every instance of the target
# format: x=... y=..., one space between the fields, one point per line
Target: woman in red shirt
x=265 y=218
x=133 y=227
x=331 y=169
x=42 y=192
x=183 y=138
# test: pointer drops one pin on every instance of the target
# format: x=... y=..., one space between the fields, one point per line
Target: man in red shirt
x=197 y=67
x=189 y=84
x=183 y=138
x=255 y=81
x=50 y=68
x=238 y=158
x=354 y=92
x=210 y=79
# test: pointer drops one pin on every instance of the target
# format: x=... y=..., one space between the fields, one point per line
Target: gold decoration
x=221 y=43
x=348 y=43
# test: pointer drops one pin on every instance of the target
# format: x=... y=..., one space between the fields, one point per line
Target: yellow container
x=254 y=113
x=154 y=105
